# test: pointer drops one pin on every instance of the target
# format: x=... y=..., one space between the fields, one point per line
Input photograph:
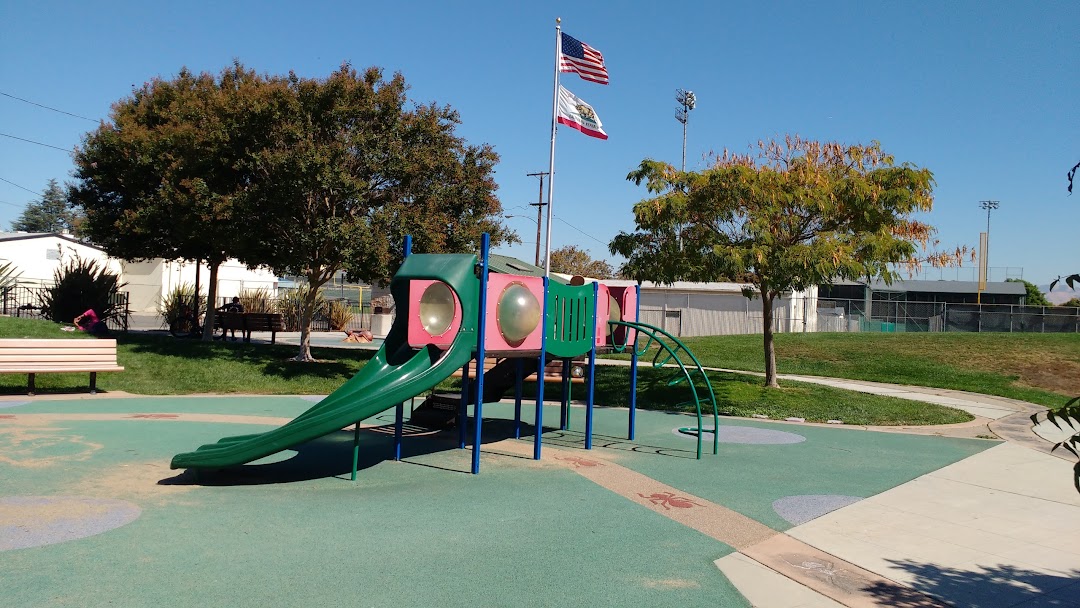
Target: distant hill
x=1061 y=293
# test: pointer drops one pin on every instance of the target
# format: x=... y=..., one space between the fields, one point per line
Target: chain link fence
x=903 y=316
x=26 y=301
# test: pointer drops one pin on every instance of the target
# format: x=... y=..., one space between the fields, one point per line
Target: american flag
x=582 y=59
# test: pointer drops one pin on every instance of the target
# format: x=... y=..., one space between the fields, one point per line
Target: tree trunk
x=767 y=323
x=211 y=298
x=307 y=311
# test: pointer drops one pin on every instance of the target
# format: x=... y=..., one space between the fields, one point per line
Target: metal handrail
x=654 y=334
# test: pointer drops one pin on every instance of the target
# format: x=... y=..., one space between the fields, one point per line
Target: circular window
x=437 y=308
x=517 y=313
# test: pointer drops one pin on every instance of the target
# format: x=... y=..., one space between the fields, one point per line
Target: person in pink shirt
x=89 y=321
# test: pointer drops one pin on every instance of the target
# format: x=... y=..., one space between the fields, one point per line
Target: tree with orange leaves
x=788 y=215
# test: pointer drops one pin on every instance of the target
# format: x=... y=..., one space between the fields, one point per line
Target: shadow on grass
x=1001 y=585
x=269 y=359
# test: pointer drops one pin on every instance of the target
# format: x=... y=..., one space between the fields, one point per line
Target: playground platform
x=786 y=515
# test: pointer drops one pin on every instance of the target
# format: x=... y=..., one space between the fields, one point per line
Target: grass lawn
x=1040 y=368
x=157 y=364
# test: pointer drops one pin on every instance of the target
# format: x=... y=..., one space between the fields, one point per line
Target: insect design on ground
x=579 y=462
x=669 y=500
x=154 y=416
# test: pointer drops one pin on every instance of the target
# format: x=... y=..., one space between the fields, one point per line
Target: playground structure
x=452 y=310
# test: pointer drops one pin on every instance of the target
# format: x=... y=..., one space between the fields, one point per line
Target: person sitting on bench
x=232 y=307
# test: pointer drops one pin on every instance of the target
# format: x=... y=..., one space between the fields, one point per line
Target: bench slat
x=4 y=356
x=12 y=352
x=57 y=343
x=59 y=369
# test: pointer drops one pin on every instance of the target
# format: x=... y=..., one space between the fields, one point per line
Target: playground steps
x=438 y=411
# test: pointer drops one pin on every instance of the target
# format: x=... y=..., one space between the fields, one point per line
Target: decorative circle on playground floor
x=34 y=521
x=801 y=509
x=743 y=434
x=12 y=403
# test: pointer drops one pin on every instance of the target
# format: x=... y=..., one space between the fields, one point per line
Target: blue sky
x=985 y=94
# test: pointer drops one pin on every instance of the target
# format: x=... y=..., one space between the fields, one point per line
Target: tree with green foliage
x=53 y=213
x=572 y=260
x=1074 y=302
x=1034 y=295
x=346 y=169
x=160 y=179
x=790 y=215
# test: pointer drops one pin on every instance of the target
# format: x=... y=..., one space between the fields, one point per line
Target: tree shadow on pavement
x=999 y=585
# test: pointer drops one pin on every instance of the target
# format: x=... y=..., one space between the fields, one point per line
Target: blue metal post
x=463 y=410
x=478 y=418
x=540 y=378
x=592 y=368
x=633 y=364
x=399 y=414
x=518 y=377
x=399 y=421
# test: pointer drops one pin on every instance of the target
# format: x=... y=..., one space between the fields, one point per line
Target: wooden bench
x=553 y=371
x=248 y=322
x=31 y=357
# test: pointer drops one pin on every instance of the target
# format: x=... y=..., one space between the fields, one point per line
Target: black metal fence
x=359 y=315
x=26 y=301
x=904 y=316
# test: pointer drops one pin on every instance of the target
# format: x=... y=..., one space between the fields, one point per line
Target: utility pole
x=539 y=204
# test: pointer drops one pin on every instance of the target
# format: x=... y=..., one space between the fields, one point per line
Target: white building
x=38 y=255
x=711 y=309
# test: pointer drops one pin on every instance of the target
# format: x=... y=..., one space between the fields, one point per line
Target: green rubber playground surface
x=118 y=527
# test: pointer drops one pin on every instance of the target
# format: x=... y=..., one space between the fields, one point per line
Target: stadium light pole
x=989 y=206
x=687 y=102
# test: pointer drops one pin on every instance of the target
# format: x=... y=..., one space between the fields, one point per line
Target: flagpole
x=551 y=158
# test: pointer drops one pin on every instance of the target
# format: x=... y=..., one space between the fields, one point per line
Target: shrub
x=289 y=305
x=339 y=314
x=171 y=303
x=257 y=300
x=80 y=285
x=8 y=276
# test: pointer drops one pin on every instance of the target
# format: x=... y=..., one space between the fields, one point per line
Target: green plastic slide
x=397 y=373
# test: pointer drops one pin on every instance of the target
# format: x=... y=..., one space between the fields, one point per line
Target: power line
x=23 y=187
x=36 y=142
x=581 y=231
x=12 y=204
x=34 y=103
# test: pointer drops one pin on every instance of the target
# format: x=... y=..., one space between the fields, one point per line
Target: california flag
x=576 y=114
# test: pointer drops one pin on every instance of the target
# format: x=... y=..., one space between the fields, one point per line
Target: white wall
x=38 y=257
x=712 y=309
x=233 y=278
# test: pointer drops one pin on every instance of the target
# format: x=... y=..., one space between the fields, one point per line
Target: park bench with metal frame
x=39 y=356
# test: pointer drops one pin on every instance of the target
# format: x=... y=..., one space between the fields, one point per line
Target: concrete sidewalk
x=1001 y=528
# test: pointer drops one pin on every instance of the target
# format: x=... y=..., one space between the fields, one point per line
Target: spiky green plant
x=80 y=285
x=172 y=302
x=290 y=302
x=339 y=314
x=257 y=300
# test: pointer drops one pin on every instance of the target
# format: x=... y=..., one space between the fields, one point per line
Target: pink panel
x=418 y=336
x=627 y=299
x=602 y=314
x=493 y=336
